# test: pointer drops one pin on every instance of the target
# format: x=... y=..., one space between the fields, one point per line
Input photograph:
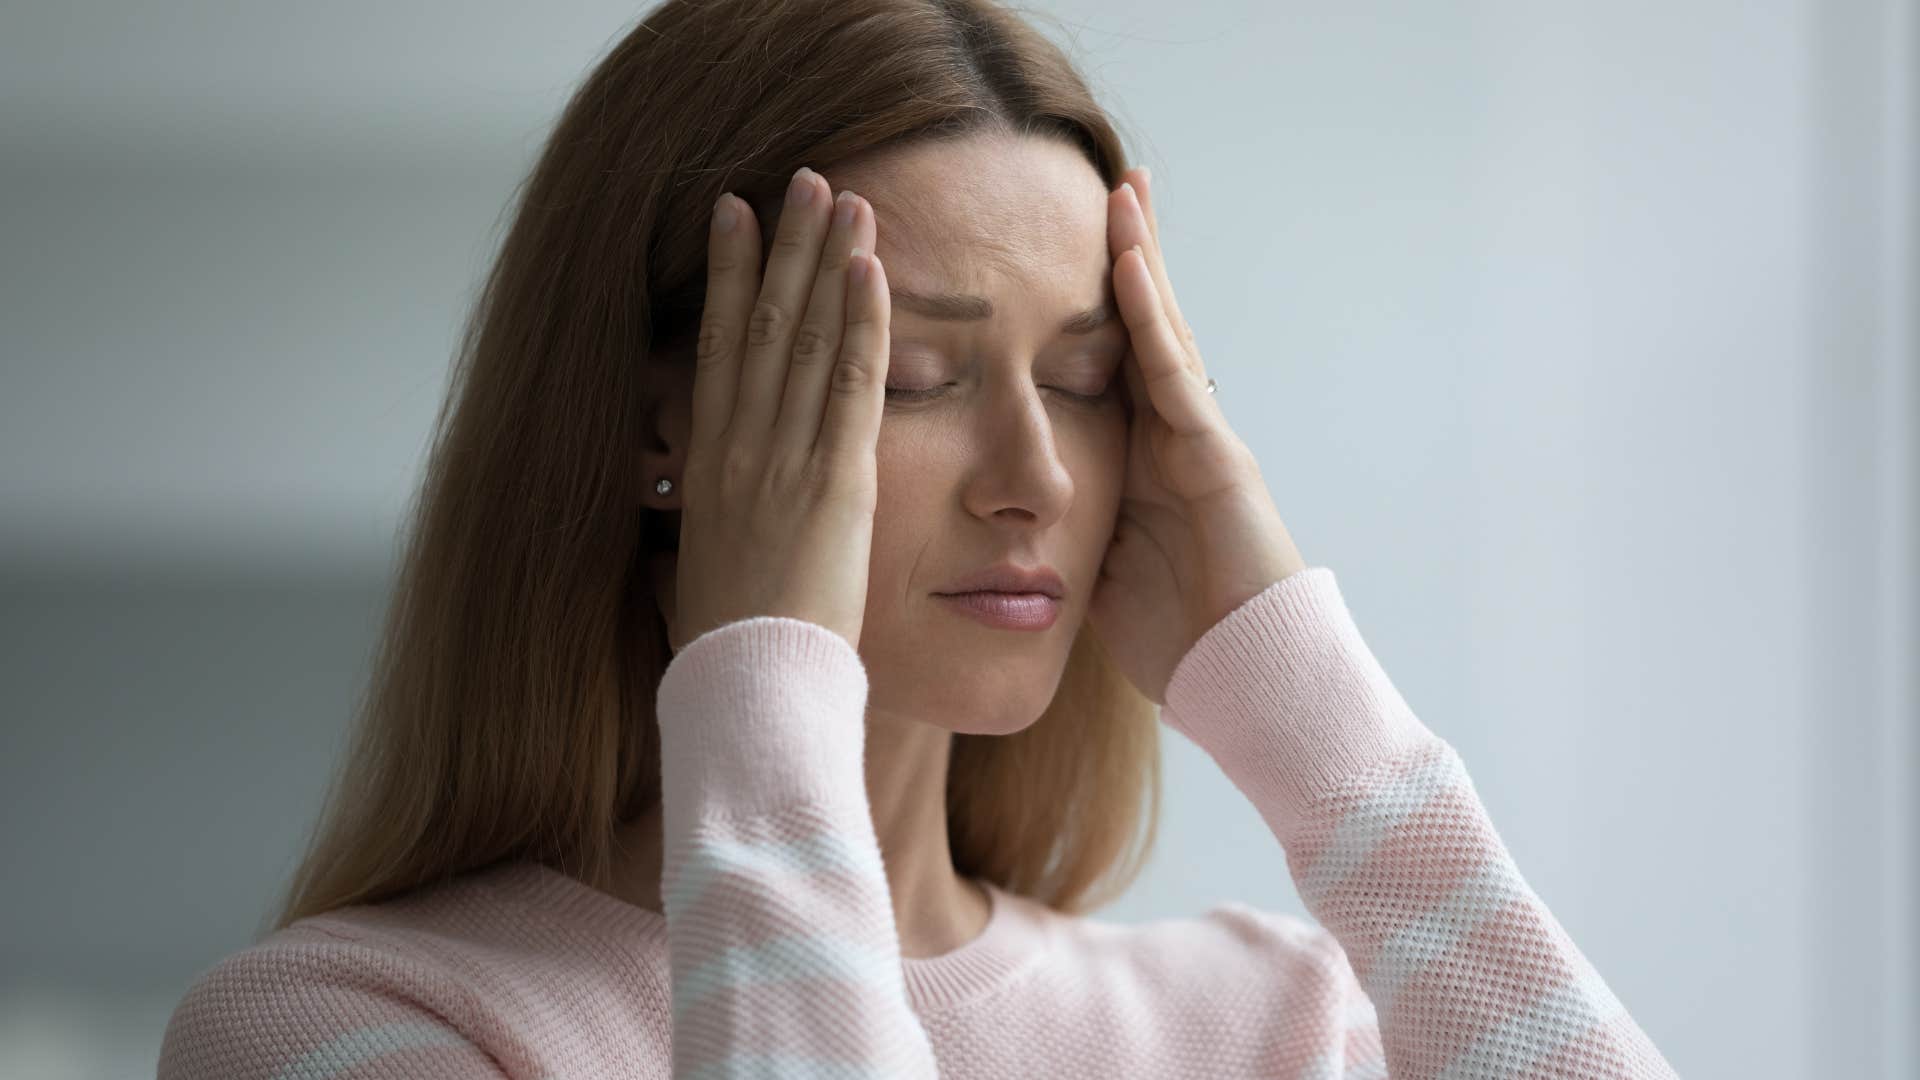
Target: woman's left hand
x=1198 y=535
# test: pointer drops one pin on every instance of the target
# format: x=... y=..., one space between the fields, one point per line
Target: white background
x=1577 y=338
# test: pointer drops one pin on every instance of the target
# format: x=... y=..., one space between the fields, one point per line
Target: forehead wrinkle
x=986 y=262
x=934 y=237
x=965 y=224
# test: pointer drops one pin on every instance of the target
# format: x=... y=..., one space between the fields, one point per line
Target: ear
x=667 y=389
x=667 y=386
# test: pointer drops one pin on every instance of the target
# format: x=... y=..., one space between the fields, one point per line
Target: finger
x=733 y=280
x=856 y=395
x=1138 y=181
x=1130 y=222
x=1176 y=390
x=791 y=266
x=817 y=344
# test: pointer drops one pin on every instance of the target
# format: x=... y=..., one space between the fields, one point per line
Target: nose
x=1020 y=475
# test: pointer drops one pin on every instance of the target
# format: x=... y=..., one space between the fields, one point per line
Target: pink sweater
x=778 y=954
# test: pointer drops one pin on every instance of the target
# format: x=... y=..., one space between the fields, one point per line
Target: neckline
x=1015 y=935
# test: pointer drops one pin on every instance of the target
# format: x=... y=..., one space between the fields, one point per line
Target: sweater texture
x=1428 y=956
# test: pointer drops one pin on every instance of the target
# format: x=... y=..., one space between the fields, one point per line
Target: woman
x=773 y=679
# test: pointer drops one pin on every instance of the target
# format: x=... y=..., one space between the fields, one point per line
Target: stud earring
x=664 y=486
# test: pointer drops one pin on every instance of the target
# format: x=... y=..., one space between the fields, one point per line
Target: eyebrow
x=956 y=307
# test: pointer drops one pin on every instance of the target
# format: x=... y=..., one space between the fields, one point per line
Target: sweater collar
x=1017 y=933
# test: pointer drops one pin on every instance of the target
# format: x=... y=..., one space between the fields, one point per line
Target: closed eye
x=898 y=394
x=928 y=393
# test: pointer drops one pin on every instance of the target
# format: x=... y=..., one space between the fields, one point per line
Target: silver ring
x=1211 y=385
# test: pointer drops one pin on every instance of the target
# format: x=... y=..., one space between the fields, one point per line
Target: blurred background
x=1578 y=338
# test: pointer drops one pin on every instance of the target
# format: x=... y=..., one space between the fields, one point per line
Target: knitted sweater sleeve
x=784 y=956
x=1466 y=971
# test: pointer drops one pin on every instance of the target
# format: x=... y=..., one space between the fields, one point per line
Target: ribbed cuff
x=761 y=714
x=1286 y=697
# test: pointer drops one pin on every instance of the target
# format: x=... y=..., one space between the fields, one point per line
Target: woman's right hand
x=779 y=485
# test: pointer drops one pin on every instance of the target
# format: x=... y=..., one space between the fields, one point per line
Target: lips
x=1007 y=611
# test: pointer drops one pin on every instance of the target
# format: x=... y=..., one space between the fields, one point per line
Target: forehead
x=1021 y=220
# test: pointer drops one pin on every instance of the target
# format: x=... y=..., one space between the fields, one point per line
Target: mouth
x=1029 y=611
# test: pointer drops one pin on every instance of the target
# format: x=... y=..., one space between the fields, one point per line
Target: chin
x=998 y=724
x=966 y=678
x=978 y=703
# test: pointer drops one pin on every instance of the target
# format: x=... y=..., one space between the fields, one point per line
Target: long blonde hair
x=509 y=712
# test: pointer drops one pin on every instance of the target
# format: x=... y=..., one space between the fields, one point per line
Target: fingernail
x=800 y=191
x=725 y=215
x=857 y=270
x=843 y=212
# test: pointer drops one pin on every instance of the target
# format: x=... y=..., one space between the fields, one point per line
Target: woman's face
x=1005 y=432
x=1017 y=449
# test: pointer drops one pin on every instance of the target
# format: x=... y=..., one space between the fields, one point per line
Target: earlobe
x=666 y=428
x=661 y=477
x=660 y=471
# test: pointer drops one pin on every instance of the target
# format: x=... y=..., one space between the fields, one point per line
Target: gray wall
x=1578 y=339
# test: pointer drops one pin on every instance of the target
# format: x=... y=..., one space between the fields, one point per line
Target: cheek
x=912 y=456
x=915 y=474
x=1098 y=454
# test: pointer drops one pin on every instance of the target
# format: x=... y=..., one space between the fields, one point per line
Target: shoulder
x=382 y=989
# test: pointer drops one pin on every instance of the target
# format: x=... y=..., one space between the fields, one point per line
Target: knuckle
x=713 y=344
x=721 y=261
x=812 y=344
x=850 y=376
x=794 y=242
x=768 y=323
